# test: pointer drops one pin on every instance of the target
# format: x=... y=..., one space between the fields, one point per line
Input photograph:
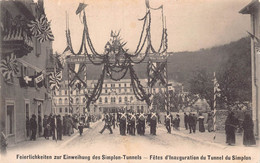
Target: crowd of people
x=131 y=123
x=56 y=126
x=232 y=125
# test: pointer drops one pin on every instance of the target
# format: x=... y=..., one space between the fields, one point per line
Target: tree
x=159 y=101
x=234 y=80
x=202 y=85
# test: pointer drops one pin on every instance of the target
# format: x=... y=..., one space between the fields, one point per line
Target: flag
x=39 y=78
x=27 y=81
x=80 y=8
x=55 y=80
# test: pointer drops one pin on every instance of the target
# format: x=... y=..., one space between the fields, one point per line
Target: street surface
x=96 y=147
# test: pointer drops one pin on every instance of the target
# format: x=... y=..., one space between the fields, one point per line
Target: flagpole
x=215 y=103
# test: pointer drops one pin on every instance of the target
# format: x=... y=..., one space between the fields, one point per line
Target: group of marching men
x=130 y=123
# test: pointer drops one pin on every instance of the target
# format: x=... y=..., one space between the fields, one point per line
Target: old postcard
x=129 y=81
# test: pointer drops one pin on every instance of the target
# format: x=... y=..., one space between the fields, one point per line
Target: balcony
x=16 y=40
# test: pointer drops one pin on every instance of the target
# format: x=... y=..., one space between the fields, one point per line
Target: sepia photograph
x=129 y=81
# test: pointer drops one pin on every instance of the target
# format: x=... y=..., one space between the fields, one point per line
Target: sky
x=191 y=24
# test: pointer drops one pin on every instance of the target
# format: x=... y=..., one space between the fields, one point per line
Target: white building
x=253 y=8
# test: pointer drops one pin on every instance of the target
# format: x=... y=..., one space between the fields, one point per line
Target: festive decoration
x=41 y=29
x=116 y=60
x=9 y=67
x=55 y=80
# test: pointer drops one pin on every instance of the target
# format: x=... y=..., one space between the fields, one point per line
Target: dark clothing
x=108 y=123
x=141 y=124
x=153 y=124
x=248 y=126
x=186 y=117
x=46 y=128
x=122 y=125
x=33 y=127
x=191 y=123
x=132 y=122
x=80 y=127
x=59 y=129
x=177 y=123
x=168 y=122
x=230 y=128
x=201 y=124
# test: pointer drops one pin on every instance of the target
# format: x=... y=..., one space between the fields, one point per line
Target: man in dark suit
x=168 y=121
x=108 y=123
x=33 y=127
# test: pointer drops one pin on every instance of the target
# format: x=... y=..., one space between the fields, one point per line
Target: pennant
x=81 y=7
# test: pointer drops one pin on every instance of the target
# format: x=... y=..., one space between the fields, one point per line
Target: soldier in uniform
x=132 y=124
x=108 y=123
x=122 y=123
x=141 y=123
x=168 y=121
x=153 y=123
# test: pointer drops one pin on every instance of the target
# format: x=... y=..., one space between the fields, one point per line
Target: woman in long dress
x=210 y=122
x=230 y=128
x=201 y=123
x=248 y=126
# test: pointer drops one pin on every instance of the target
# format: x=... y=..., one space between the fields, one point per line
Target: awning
x=30 y=65
x=249 y=8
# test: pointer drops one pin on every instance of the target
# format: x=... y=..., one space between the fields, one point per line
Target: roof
x=250 y=7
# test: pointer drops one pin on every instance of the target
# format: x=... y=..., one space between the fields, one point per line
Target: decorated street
x=137 y=148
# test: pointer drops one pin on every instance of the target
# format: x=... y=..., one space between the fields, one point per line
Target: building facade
x=115 y=95
x=253 y=8
x=28 y=57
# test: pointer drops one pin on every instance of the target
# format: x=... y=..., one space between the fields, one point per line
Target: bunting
x=9 y=67
x=41 y=29
x=55 y=80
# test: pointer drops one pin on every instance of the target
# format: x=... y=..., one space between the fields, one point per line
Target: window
x=125 y=90
x=119 y=85
x=84 y=99
x=60 y=110
x=120 y=99
x=119 y=90
x=100 y=100
x=105 y=99
x=71 y=100
x=125 y=84
x=66 y=101
x=10 y=119
x=60 y=101
x=131 y=98
x=66 y=92
x=77 y=100
x=100 y=109
x=125 y=99
x=113 y=99
x=66 y=110
x=105 y=90
x=106 y=85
